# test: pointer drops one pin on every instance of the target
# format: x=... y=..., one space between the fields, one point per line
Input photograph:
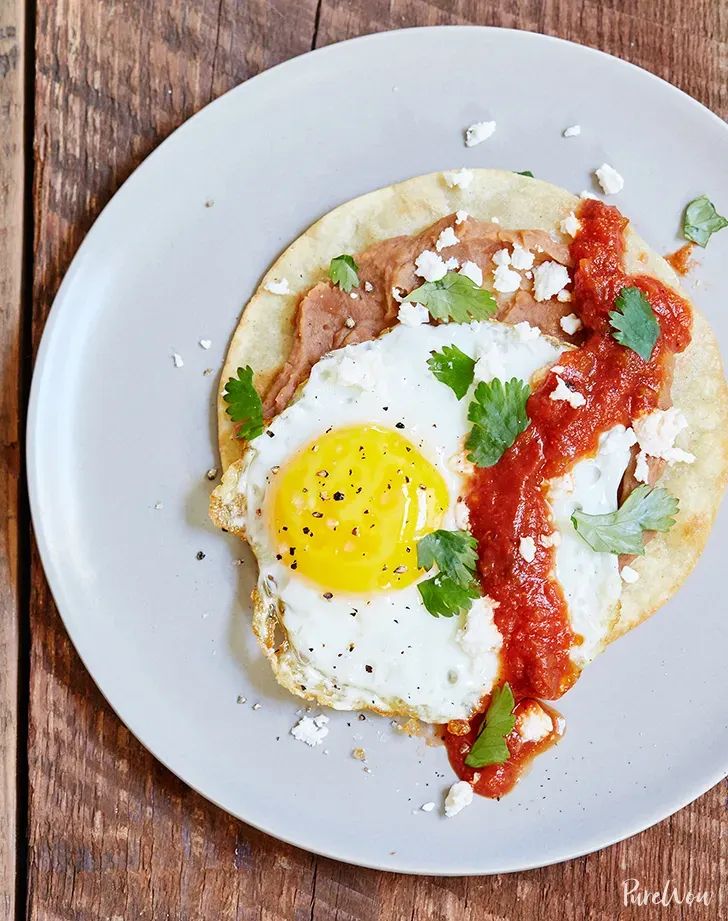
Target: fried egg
x=337 y=491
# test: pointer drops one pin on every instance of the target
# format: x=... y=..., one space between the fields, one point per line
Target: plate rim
x=61 y=302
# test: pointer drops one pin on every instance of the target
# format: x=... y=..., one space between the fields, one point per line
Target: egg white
x=385 y=651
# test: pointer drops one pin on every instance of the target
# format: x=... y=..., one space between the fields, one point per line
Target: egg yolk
x=348 y=509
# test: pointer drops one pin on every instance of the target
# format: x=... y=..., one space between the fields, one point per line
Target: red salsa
x=508 y=501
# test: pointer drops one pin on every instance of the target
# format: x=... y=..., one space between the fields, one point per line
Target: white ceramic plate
x=115 y=429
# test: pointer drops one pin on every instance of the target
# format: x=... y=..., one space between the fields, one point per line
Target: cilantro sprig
x=490 y=746
x=344 y=272
x=701 y=221
x=454 y=297
x=244 y=404
x=455 y=587
x=498 y=414
x=454 y=368
x=634 y=322
x=647 y=508
x=525 y=172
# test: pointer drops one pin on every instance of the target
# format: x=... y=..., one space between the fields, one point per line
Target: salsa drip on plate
x=508 y=499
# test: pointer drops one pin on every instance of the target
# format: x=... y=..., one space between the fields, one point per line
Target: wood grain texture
x=112 y=834
x=11 y=260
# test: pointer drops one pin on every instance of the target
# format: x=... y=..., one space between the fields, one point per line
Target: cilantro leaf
x=454 y=587
x=525 y=172
x=454 y=297
x=443 y=597
x=701 y=221
x=244 y=404
x=646 y=509
x=344 y=272
x=490 y=746
x=454 y=368
x=498 y=414
x=634 y=322
x=454 y=552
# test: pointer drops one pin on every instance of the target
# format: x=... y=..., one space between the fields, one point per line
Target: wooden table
x=91 y=827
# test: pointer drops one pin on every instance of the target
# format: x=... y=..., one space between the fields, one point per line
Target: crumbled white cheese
x=548 y=279
x=447 y=238
x=398 y=295
x=353 y=295
x=458 y=797
x=495 y=220
x=411 y=314
x=350 y=322
x=278 y=286
x=570 y=324
x=656 y=433
x=570 y=224
x=461 y=216
x=478 y=132
x=573 y=131
x=550 y=540
x=427 y=807
x=527 y=549
x=562 y=392
x=533 y=723
x=257 y=706
x=311 y=730
x=368 y=286
x=472 y=271
x=458 y=178
x=451 y=264
x=609 y=179
x=205 y=343
x=429 y=265
x=501 y=257
x=586 y=195
x=177 y=360
x=158 y=506
x=506 y=280
x=629 y=575
x=522 y=258
x=564 y=296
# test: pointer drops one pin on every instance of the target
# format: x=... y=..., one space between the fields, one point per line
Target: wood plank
x=12 y=27
x=112 y=833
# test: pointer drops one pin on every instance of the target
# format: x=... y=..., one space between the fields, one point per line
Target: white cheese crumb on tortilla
x=472 y=271
x=527 y=549
x=447 y=238
x=570 y=324
x=629 y=575
x=563 y=393
x=656 y=433
x=548 y=279
x=570 y=224
x=278 y=286
x=430 y=266
x=458 y=178
x=461 y=216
